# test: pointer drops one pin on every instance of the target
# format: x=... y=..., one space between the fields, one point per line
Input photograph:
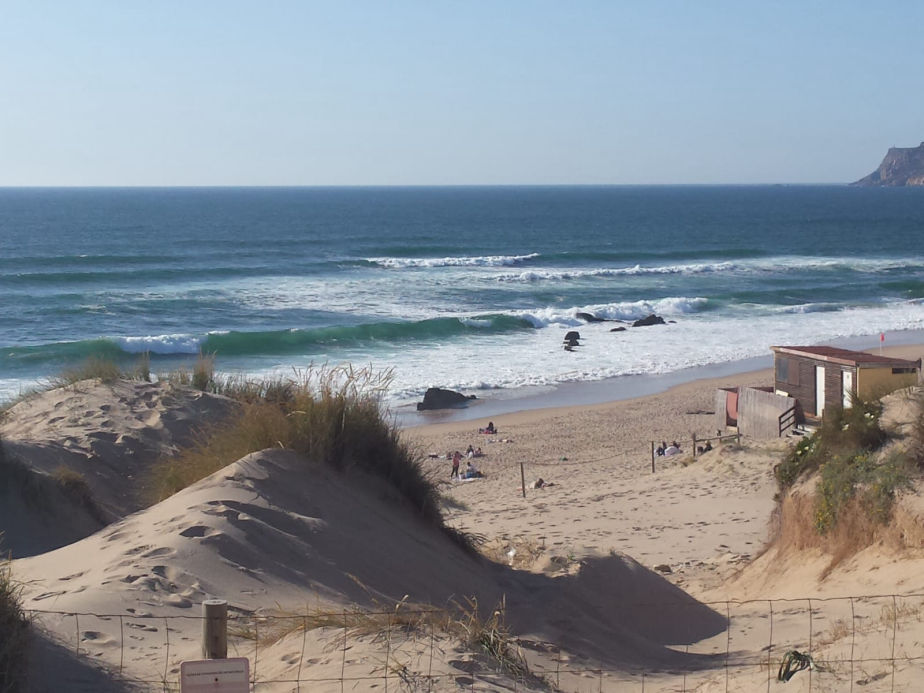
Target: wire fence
x=862 y=643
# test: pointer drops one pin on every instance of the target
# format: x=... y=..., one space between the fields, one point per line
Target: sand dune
x=108 y=434
x=271 y=530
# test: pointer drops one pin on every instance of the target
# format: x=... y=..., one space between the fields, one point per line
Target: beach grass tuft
x=331 y=416
x=94 y=368
x=203 y=375
x=14 y=633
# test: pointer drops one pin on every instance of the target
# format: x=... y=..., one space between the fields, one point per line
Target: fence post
x=652 y=457
x=215 y=629
x=694 y=446
x=523 y=479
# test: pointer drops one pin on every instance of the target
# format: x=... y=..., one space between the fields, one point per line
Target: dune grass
x=14 y=633
x=916 y=442
x=104 y=370
x=13 y=624
x=330 y=416
x=488 y=637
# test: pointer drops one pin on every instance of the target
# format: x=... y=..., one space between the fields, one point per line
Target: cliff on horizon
x=901 y=166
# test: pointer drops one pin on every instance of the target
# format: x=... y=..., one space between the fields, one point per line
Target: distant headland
x=901 y=166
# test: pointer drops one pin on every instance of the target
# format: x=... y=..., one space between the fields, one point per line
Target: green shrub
x=805 y=456
x=14 y=634
x=874 y=485
x=843 y=433
x=843 y=449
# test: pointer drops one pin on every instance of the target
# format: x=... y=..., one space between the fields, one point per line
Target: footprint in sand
x=95 y=637
x=47 y=595
x=142 y=626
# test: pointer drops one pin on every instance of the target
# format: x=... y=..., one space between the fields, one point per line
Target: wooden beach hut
x=822 y=376
x=808 y=379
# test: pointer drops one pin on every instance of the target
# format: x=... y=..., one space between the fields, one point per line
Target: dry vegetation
x=330 y=416
x=13 y=626
x=13 y=634
x=488 y=637
x=858 y=478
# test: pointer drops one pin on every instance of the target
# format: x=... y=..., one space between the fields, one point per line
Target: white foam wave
x=475 y=261
x=697 y=340
x=772 y=264
x=161 y=344
x=626 y=311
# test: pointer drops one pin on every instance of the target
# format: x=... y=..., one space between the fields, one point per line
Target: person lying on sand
x=471 y=472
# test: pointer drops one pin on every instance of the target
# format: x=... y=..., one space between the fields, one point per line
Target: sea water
x=470 y=288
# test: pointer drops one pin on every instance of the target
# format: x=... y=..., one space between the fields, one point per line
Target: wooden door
x=848 y=389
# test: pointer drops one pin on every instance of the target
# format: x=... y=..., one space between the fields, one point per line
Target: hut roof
x=845 y=357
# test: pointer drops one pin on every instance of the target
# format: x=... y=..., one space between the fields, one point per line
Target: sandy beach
x=592 y=568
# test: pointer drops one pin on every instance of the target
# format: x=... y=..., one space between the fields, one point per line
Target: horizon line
x=289 y=186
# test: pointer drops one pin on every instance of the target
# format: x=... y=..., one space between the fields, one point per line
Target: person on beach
x=456 y=459
x=488 y=429
x=471 y=471
x=470 y=453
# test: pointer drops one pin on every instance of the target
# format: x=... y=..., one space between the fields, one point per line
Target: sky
x=494 y=92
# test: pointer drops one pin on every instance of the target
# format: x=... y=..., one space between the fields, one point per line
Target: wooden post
x=215 y=629
x=694 y=446
x=652 y=457
x=523 y=479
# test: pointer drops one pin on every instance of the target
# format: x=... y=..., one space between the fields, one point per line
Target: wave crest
x=474 y=261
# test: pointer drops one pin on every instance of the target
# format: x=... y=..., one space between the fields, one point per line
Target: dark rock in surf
x=649 y=320
x=618 y=329
x=438 y=398
x=589 y=317
x=572 y=336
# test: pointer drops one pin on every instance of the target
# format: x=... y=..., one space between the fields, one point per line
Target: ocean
x=469 y=288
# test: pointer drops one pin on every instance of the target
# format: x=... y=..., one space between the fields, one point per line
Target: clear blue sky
x=435 y=92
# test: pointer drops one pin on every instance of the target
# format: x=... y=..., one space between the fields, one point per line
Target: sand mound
x=272 y=531
x=38 y=514
x=107 y=435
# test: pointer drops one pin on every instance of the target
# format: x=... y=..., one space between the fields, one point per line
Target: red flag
x=882 y=336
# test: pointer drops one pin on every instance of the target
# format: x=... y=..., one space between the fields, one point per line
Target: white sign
x=215 y=676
